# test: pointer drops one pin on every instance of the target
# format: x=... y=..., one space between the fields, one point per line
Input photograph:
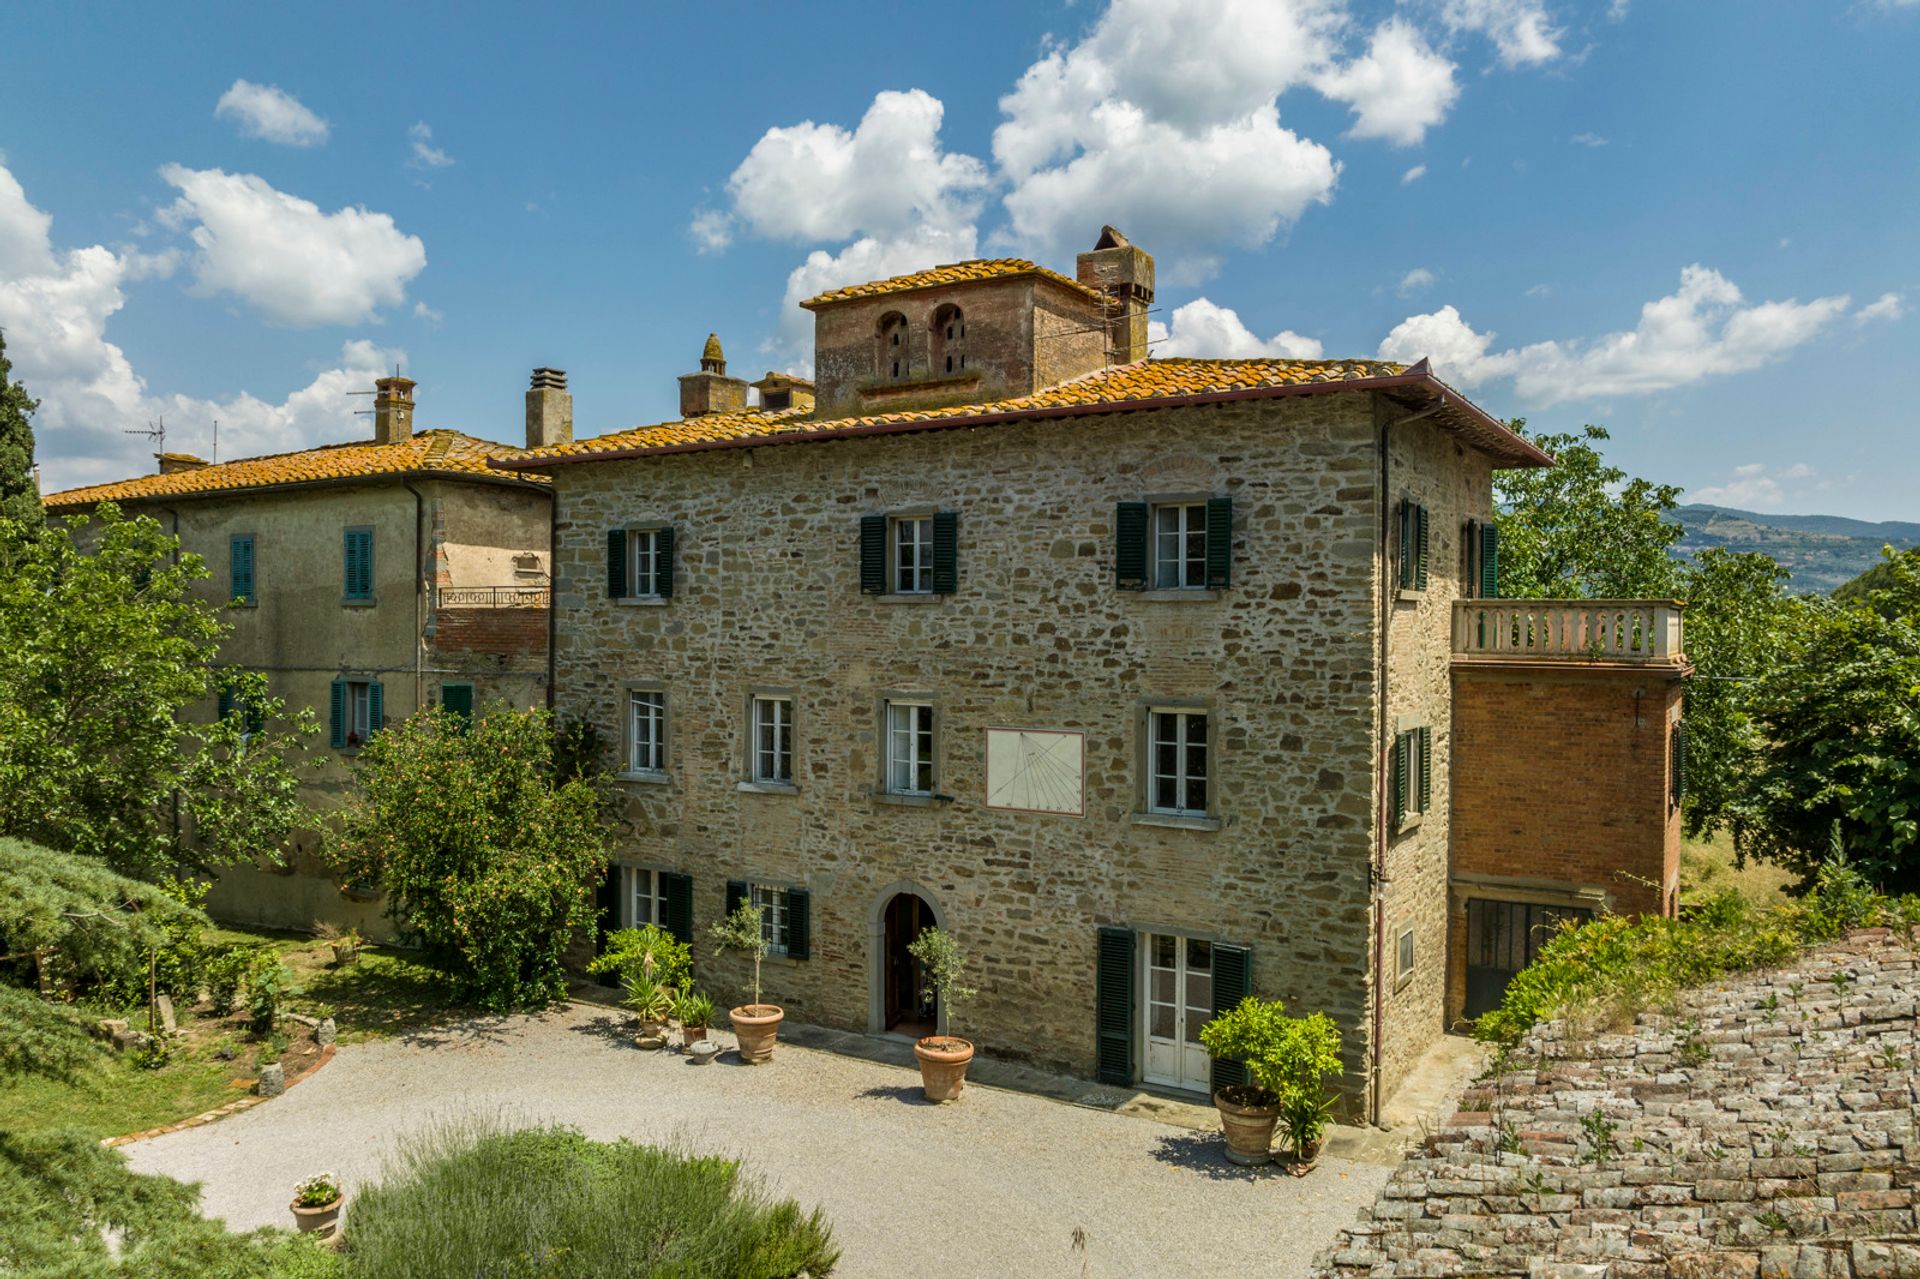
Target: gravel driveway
x=994 y=1184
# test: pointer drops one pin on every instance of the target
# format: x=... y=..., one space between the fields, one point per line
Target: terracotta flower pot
x=323 y=1220
x=943 y=1066
x=756 y=1027
x=652 y=1035
x=691 y=1035
x=1248 y=1118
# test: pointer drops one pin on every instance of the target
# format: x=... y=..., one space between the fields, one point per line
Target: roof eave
x=249 y=490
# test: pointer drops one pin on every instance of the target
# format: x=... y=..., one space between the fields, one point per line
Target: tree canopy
x=19 y=494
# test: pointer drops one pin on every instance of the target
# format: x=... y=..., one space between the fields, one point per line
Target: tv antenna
x=157 y=432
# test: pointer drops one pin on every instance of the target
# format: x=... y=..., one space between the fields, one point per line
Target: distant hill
x=1821 y=551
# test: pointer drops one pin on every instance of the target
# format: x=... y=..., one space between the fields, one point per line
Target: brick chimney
x=171 y=463
x=393 y=410
x=711 y=390
x=549 y=409
x=1125 y=275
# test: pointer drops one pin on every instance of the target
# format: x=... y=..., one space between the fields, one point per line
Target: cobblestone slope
x=1765 y=1130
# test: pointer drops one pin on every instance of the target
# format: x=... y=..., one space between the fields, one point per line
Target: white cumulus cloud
x=1398 y=89
x=1206 y=329
x=267 y=111
x=1888 y=306
x=1520 y=30
x=292 y=262
x=1415 y=281
x=1706 y=328
x=1756 y=486
x=1413 y=175
x=425 y=154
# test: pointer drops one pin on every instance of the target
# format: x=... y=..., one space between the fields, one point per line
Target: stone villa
x=1154 y=681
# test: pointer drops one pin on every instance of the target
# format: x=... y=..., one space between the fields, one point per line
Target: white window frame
x=910 y=554
x=649 y=706
x=642 y=883
x=643 y=563
x=771 y=762
x=1182 y=777
x=1403 y=957
x=775 y=921
x=359 y=712
x=915 y=733
x=1177 y=566
x=1415 y=766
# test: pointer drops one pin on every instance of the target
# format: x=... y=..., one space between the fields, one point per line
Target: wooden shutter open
x=1400 y=763
x=226 y=701
x=736 y=894
x=1219 y=543
x=663 y=562
x=1420 y=548
x=873 y=554
x=1113 y=1000
x=616 y=563
x=1489 y=562
x=1232 y=982
x=376 y=707
x=677 y=890
x=1426 y=767
x=1130 y=546
x=946 y=552
x=337 y=704
x=799 y=924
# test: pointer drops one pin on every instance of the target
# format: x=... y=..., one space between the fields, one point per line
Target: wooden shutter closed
x=1232 y=982
x=226 y=701
x=1400 y=764
x=663 y=562
x=677 y=890
x=799 y=924
x=458 y=700
x=376 y=707
x=1130 y=546
x=337 y=703
x=240 y=566
x=1489 y=562
x=1113 y=1001
x=1219 y=543
x=873 y=554
x=1426 y=767
x=946 y=552
x=616 y=563
x=736 y=894
x=1420 y=548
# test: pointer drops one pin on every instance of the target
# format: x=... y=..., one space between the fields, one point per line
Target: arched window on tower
x=891 y=340
x=949 y=344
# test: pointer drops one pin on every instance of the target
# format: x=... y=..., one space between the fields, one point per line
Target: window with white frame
x=773 y=917
x=772 y=739
x=359 y=712
x=1180 y=546
x=646 y=898
x=646 y=732
x=1177 y=762
x=913 y=555
x=910 y=748
x=643 y=563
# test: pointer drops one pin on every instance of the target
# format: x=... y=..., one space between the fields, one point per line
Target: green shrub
x=647 y=951
x=470 y=1199
x=1289 y=1058
x=694 y=1009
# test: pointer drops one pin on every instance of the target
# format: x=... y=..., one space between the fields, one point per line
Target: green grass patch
x=386 y=992
x=471 y=1199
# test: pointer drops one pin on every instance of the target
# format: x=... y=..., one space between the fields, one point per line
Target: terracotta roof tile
x=428 y=452
x=951 y=273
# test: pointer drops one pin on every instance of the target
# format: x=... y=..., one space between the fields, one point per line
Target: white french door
x=1179 y=1001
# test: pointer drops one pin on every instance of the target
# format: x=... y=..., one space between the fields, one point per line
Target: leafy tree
x=102 y=648
x=19 y=495
x=486 y=855
x=1582 y=529
x=1839 y=726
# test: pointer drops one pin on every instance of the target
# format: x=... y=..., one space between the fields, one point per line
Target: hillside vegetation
x=1822 y=552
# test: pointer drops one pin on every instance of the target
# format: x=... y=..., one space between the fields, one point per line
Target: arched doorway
x=902 y=1001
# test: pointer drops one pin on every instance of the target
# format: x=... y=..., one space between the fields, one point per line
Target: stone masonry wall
x=767 y=596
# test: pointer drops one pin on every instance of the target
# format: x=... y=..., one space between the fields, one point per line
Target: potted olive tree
x=1289 y=1060
x=943 y=1058
x=316 y=1204
x=755 y=1025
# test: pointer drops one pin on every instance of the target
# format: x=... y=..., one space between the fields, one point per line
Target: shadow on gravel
x=474 y=1030
x=1206 y=1154
x=905 y=1094
x=607 y=1026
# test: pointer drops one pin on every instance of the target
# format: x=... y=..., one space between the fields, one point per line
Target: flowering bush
x=317 y=1191
x=486 y=856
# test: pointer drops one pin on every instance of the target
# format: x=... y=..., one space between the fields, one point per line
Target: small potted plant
x=653 y=1004
x=693 y=1010
x=1289 y=1059
x=943 y=1058
x=755 y=1025
x=316 y=1204
x=345 y=942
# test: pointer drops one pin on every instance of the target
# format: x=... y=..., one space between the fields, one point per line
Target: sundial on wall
x=1036 y=770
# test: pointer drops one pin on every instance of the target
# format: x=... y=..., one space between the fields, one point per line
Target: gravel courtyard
x=995 y=1184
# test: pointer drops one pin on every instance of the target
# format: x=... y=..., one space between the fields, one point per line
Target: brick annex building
x=1154 y=681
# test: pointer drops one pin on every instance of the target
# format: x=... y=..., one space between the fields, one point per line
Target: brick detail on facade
x=504 y=631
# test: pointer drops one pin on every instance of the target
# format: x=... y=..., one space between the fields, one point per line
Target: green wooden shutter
x=1219 y=543
x=606 y=902
x=256 y=719
x=873 y=554
x=799 y=924
x=458 y=700
x=376 y=707
x=677 y=889
x=663 y=571
x=1113 y=1001
x=359 y=564
x=240 y=569
x=1130 y=546
x=1420 y=548
x=946 y=552
x=226 y=701
x=616 y=563
x=1232 y=982
x=1405 y=559
x=1400 y=763
x=736 y=893
x=1426 y=767
x=338 y=704
x=1489 y=561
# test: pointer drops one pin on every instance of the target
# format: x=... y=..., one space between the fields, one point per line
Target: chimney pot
x=393 y=410
x=171 y=463
x=549 y=409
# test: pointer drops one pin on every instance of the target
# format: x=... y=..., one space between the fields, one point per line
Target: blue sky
x=1692 y=222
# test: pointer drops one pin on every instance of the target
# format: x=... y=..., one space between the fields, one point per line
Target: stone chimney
x=393 y=410
x=780 y=391
x=171 y=463
x=549 y=409
x=711 y=390
x=1125 y=275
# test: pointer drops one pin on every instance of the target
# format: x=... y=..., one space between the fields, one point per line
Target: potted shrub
x=943 y=1058
x=1289 y=1059
x=694 y=1010
x=652 y=1003
x=345 y=942
x=755 y=1025
x=650 y=950
x=316 y=1204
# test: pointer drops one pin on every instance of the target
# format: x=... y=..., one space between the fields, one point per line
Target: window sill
x=348 y=602
x=899 y=597
x=641 y=601
x=1401 y=982
x=900 y=800
x=1409 y=595
x=767 y=788
x=645 y=777
x=237 y=602
x=1409 y=824
x=1177 y=821
x=1181 y=595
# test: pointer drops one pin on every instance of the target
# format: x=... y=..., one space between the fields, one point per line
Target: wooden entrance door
x=909 y=1003
x=1179 y=1002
